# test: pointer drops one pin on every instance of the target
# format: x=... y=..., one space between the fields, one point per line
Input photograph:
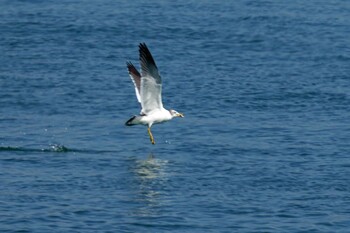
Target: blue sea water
x=264 y=145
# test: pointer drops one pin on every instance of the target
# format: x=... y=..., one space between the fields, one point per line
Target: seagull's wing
x=151 y=82
x=136 y=79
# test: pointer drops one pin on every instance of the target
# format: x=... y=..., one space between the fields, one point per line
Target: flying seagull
x=148 y=88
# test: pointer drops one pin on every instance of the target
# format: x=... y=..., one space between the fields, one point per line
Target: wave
x=56 y=148
x=51 y=148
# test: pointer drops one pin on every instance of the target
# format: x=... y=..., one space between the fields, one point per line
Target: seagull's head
x=175 y=113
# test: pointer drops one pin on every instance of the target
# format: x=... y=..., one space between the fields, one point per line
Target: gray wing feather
x=151 y=82
x=136 y=79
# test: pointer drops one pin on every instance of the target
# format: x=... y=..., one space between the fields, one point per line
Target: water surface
x=264 y=146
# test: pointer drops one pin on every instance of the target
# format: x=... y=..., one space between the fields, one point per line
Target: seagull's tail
x=131 y=121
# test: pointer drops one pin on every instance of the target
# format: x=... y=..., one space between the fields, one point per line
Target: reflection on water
x=151 y=168
x=151 y=178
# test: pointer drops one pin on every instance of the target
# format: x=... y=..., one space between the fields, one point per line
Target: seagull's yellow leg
x=150 y=135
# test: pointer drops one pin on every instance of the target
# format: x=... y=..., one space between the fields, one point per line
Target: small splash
x=58 y=148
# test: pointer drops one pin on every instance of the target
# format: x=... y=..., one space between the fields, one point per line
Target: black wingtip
x=134 y=72
x=143 y=49
x=145 y=55
x=143 y=45
x=129 y=64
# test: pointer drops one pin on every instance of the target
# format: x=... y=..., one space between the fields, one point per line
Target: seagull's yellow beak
x=180 y=115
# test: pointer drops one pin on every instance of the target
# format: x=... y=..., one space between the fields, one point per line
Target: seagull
x=148 y=88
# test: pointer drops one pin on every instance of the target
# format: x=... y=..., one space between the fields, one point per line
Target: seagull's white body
x=148 y=88
x=155 y=117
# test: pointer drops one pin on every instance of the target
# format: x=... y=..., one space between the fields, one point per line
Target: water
x=264 y=145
